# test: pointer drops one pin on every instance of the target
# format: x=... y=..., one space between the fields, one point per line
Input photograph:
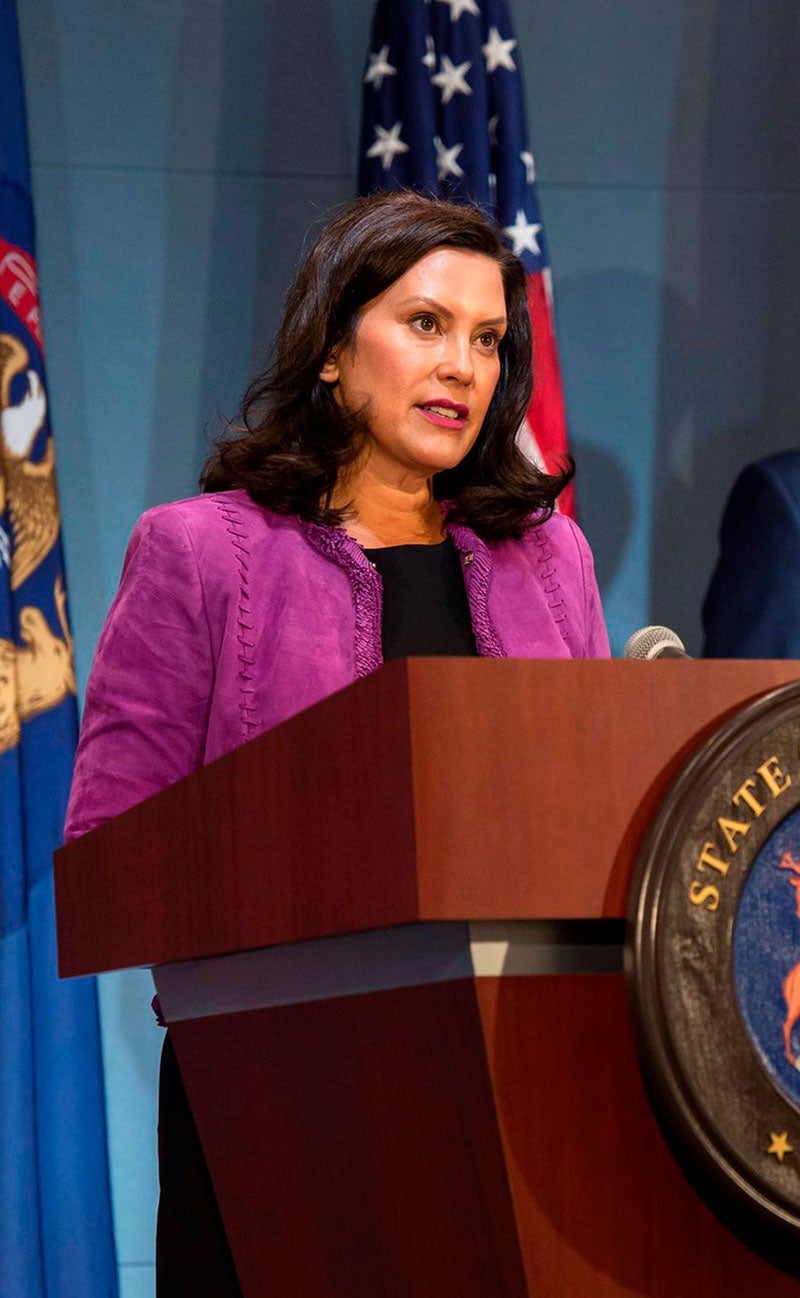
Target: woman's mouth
x=445 y=414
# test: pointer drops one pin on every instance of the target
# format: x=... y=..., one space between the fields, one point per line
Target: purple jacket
x=229 y=619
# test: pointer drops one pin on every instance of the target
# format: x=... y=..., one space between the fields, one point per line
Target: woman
x=372 y=504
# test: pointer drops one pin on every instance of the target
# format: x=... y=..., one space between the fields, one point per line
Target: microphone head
x=655 y=642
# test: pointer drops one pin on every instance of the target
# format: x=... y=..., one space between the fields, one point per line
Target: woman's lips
x=434 y=412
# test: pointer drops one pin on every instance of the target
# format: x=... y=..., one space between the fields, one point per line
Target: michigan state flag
x=55 y=1218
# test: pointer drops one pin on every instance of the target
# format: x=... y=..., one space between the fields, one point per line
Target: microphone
x=655 y=642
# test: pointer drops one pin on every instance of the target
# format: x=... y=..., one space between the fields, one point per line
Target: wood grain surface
x=534 y=782
x=354 y=1146
x=435 y=788
x=602 y=1208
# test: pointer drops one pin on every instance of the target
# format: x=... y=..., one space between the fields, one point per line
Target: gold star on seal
x=779 y=1145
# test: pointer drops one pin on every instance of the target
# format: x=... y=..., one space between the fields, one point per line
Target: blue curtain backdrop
x=55 y=1217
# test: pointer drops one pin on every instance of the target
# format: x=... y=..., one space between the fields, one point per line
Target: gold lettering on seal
x=733 y=830
x=707 y=857
x=743 y=794
x=769 y=781
x=773 y=777
x=703 y=894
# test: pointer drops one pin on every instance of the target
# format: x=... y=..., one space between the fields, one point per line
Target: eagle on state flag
x=56 y=1233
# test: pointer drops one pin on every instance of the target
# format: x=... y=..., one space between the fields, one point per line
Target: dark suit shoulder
x=782 y=470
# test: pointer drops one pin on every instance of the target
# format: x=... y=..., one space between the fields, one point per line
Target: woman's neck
x=388 y=513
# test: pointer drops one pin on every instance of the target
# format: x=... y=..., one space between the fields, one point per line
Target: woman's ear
x=330 y=370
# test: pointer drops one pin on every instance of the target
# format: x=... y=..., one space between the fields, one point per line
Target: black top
x=425 y=607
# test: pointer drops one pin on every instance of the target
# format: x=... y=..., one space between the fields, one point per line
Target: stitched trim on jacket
x=244 y=612
x=477 y=579
x=546 y=568
x=366 y=589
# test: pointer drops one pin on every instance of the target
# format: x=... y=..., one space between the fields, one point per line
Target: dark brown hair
x=293 y=439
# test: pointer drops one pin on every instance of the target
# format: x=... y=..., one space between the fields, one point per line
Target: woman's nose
x=457 y=361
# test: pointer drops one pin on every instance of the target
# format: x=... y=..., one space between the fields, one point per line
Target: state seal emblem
x=36 y=671
x=713 y=964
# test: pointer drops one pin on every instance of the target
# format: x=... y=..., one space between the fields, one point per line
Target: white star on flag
x=451 y=79
x=387 y=144
x=497 y=52
x=446 y=159
x=379 y=67
x=523 y=235
x=459 y=7
x=429 y=57
x=530 y=166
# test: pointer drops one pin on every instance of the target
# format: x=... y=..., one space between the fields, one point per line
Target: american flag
x=444 y=113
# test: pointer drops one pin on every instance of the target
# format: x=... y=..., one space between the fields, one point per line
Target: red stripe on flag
x=19 y=287
x=546 y=417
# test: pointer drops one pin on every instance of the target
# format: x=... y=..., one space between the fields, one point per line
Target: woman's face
x=424 y=362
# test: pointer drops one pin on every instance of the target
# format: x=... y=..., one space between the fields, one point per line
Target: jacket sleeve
x=147 y=700
x=595 y=637
x=752 y=609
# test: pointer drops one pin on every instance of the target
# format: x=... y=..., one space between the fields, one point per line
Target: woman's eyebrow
x=420 y=300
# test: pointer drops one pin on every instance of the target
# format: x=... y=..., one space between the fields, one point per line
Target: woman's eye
x=426 y=323
x=489 y=340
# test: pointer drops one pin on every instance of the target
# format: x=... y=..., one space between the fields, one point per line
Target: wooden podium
x=387 y=939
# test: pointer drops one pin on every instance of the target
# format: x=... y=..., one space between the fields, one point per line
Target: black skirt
x=193 y=1258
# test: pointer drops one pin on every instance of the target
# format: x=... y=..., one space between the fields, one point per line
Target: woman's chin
x=437 y=458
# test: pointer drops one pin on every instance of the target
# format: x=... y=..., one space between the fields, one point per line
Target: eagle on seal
x=28 y=488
